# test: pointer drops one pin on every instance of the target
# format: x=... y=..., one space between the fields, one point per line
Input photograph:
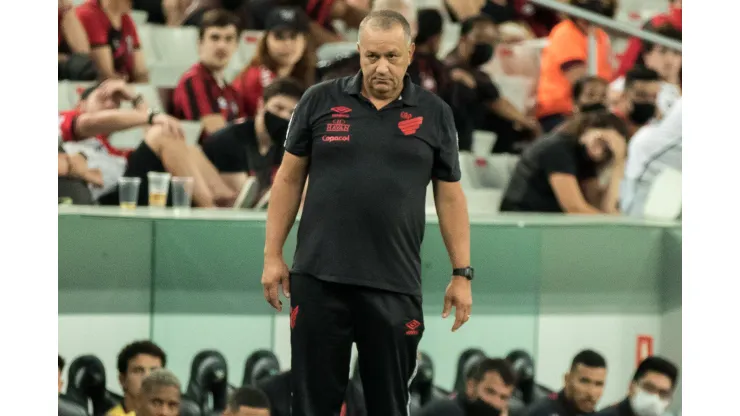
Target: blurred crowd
x=590 y=132
x=484 y=386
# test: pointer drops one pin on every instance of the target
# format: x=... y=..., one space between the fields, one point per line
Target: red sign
x=644 y=348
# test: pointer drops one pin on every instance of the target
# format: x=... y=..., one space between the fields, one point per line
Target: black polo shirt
x=363 y=216
x=529 y=188
x=623 y=408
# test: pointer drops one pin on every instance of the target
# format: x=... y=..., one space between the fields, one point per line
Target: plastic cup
x=128 y=192
x=182 y=192
x=159 y=186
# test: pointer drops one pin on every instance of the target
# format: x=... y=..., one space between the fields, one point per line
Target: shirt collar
x=408 y=94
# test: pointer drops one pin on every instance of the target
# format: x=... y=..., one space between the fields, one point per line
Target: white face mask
x=646 y=404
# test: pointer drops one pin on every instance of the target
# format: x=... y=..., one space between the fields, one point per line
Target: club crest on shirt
x=337 y=125
x=222 y=103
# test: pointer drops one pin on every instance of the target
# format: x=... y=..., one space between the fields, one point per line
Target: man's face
x=584 y=387
x=384 y=57
x=138 y=368
x=643 y=92
x=653 y=383
x=593 y=93
x=163 y=401
x=492 y=390
x=483 y=33
x=281 y=105
x=248 y=411
x=218 y=46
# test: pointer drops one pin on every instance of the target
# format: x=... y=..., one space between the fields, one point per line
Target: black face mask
x=480 y=408
x=482 y=53
x=587 y=108
x=642 y=113
x=277 y=127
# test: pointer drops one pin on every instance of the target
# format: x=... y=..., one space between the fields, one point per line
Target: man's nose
x=382 y=67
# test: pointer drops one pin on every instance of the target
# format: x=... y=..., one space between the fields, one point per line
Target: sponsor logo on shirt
x=337 y=125
x=412 y=327
x=409 y=124
x=341 y=112
x=330 y=139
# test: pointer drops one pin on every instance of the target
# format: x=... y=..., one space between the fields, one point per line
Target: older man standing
x=371 y=144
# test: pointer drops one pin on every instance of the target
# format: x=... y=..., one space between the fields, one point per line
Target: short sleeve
x=559 y=158
x=249 y=89
x=487 y=91
x=67 y=121
x=299 y=139
x=446 y=165
x=95 y=26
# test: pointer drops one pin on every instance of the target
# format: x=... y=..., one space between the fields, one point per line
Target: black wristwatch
x=466 y=272
x=152 y=114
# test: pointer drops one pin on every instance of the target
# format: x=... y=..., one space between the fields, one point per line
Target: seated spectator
x=136 y=362
x=73 y=47
x=160 y=395
x=85 y=130
x=488 y=389
x=652 y=148
x=247 y=400
x=349 y=65
x=426 y=69
x=255 y=147
x=285 y=50
x=631 y=55
x=196 y=10
x=61 y=368
x=475 y=47
x=163 y=12
x=584 y=385
x=559 y=173
x=665 y=61
x=321 y=13
x=650 y=392
x=565 y=60
x=202 y=94
x=113 y=39
x=589 y=94
x=637 y=104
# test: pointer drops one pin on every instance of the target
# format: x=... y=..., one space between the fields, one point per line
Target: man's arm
x=285 y=198
x=569 y=195
x=108 y=121
x=141 y=73
x=100 y=51
x=74 y=33
x=452 y=210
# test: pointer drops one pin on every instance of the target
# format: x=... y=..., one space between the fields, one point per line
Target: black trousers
x=326 y=318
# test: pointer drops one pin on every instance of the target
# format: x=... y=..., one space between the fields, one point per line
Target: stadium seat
x=330 y=51
x=127 y=139
x=664 y=198
x=208 y=384
x=176 y=45
x=63 y=96
x=469 y=179
x=483 y=201
x=495 y=171
x=68 y=407
x=483 y=142
x=166 y=74
x=260 y=365
x=147 y=44
x=192 y=131
x=87 y=384
x=248 y=44
x=236 y=65
x=140 y=17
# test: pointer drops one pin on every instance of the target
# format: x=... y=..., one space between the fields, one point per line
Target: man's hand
x=274 y=274
x=170 y=125
x=617 y=144
x=117 y=88
x=458 y=294
x=463 y=77
x=531 y=124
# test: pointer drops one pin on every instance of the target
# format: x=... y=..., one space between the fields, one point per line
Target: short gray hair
x=386 y=20
x=159 y=378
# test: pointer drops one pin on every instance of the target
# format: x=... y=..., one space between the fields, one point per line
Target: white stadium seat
x=329 y=51
x=176 y=45
x=139 y=17
x=192 y=131
x=496 y=171
x=63 y=98
x=483 y=201
x=248 y=44
x=664 y=199
x=127 y=139
x=166 y=74
x=483 y=142
x=147 y=44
